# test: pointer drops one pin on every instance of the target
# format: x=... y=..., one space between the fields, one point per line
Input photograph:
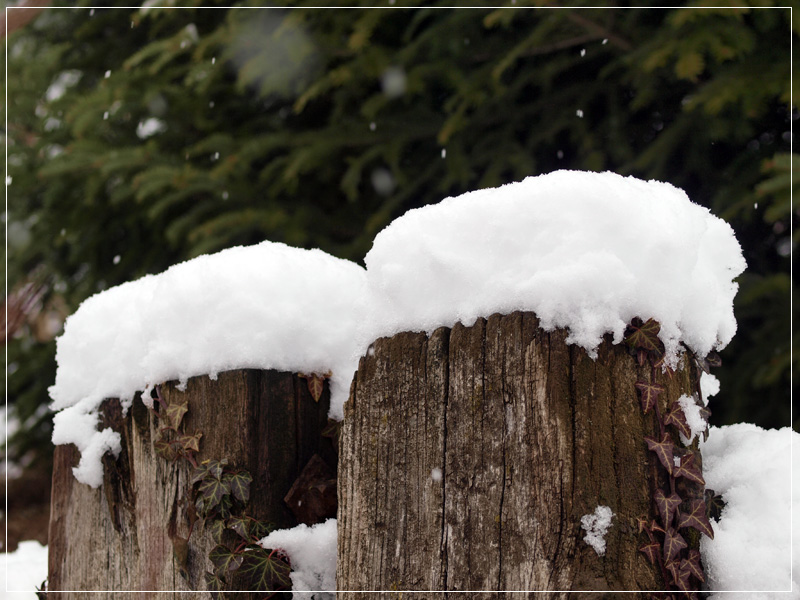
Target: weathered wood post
x=191 y=481
x=531 y=437
x=468 y=459
x=119 y=537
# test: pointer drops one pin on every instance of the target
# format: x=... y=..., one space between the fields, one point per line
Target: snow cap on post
x=584 y=251
x=267 y=306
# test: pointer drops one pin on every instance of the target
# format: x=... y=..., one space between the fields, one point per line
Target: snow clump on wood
x=584 y=251
x=596 y=526
x=267 y=306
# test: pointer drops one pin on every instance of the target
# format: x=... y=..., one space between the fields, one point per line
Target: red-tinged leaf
x=641 y=524
x=651 y=551
x=224 y=560
x=674 y=568
x=696 y=517
x=641 y=356
x=676 y=418
x=714 y=504
x=689 y=470
x=667 y=505
x=693 y=565
x=682 y=579
x=663 y=450
x=673 y=544
x=239 y=483
x=656 y=527
x=190 y=442
x=648 y=394
x=645 y=335
x=660 y=363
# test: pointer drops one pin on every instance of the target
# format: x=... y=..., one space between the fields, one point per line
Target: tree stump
x=468 y=458
x=117 y=537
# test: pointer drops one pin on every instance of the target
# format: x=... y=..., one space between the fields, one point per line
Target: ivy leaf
x=648 y=394
x=641 y=523
x=714 y=504
x=680 y=576
x=165 y=450
x=645 y=335
x=661 y=364
x=676 y=417
x=239 y=484
x=651 y=551
x=212 y=490
x=663 y=450
x=689 y=470
x=199 y=473
x=174 y=414
x=225 y=506
x=260 y=529
x=215 y=527
x=240 y=525
x=331 y=430
x=215 y=585
x=713 y=359
x=641 y=356
x=224 y=560
x=673 y=544
x=696 y=517
x=692 y=564
x=190 y=442
x=654 y=526
x=208 y=468
x=262 y=571
x=667 y=505
x=705 y=413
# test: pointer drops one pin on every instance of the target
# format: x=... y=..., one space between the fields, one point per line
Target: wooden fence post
x=117 y=537
x=468 y=459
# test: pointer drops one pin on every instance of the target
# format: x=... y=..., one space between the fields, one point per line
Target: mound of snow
x=312 y=553
x=267 y=306
x=752 y=546
x=24 y=570
x=585 y=251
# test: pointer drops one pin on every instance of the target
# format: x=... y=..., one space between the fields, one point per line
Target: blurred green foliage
x=138 y=138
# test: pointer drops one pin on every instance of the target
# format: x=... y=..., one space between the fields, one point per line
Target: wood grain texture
x=116 y=538
x=528 y=434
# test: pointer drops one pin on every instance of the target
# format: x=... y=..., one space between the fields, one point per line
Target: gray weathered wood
x=528 y=433
x=117 y=537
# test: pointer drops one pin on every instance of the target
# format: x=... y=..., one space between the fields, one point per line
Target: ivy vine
x=218 y=496
x=682 y=506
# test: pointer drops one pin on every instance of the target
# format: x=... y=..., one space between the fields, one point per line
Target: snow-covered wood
x=117 y=537
x=468 y=459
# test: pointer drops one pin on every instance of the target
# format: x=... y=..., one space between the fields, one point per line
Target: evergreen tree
x=142 y=137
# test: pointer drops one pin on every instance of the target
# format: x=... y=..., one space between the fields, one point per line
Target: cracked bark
x=529 y=434
x=116 y=538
